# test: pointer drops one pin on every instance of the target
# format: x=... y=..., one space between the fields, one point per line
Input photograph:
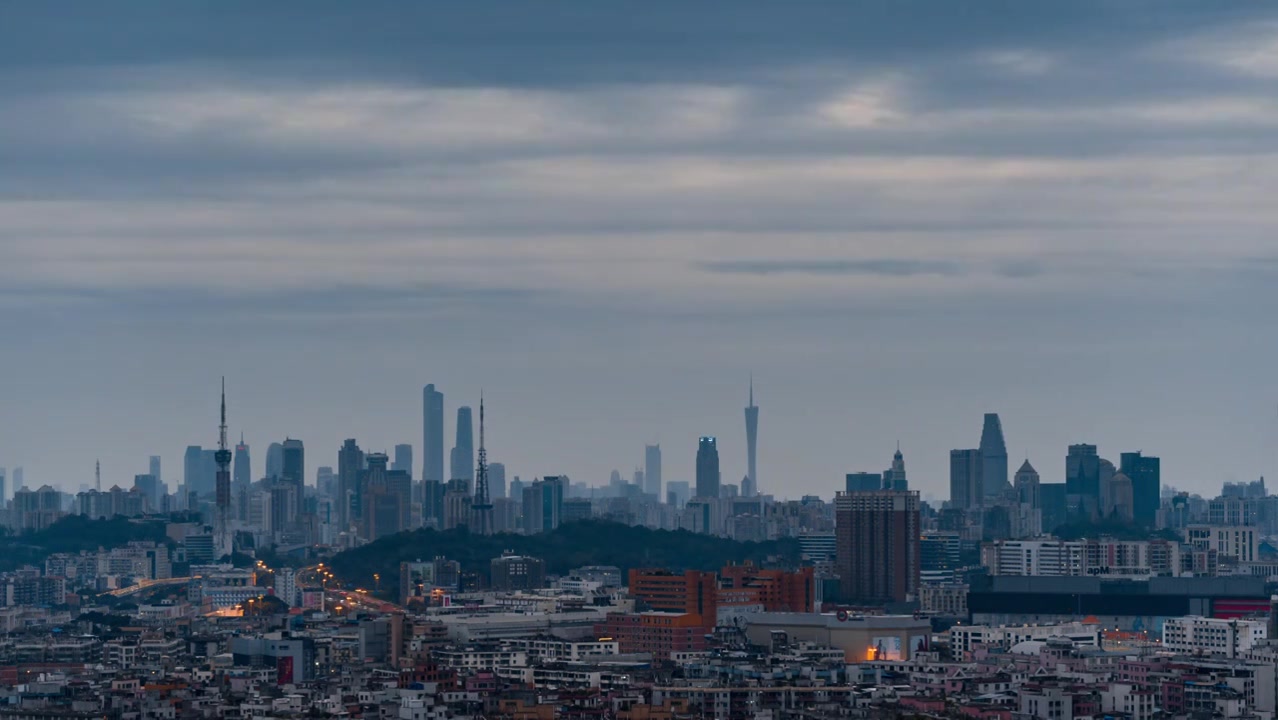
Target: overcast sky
x=897 y=215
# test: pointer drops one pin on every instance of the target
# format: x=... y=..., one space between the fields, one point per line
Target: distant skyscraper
x=208 y=473
x=1119 y=498
x=19 y=481
x=154 y=469
x=1146 y=485
x=1028 y=487
x=1082 y=481
x=275 y=460
x=242 y=471
x=677 y=492
x=462 y=465
x=150 y=489
x=403 y=459
x=966 y=479
x=652 y=470
x=497 y=480
x=3 y=487
x=433 y=434
x=707 y=468
x=350 y=463
x=752 y=440
x=862 y=482
x=894 y=477
x=993 y=457
x=192 y=463
x=294 y=470
x=877 y=546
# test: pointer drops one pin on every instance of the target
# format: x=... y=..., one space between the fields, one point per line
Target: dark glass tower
x=462 y=463
x=242 y=470
x=1082 y=481
x=433 y=434
x=1146 y=485
x=652 y=470
x=707 y=468
x=350 y=463
x=993 y=457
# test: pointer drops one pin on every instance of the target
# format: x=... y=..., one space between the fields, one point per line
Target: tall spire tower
x=751 y=488
x=97 y=475
x=481 y=504
x=223 y=459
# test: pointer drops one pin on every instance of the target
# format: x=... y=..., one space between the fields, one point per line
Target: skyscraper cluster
x=1092 y=489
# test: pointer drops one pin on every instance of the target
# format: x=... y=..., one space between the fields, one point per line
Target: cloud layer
x=614 y=215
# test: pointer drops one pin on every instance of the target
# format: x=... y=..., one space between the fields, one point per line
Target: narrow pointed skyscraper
x=481 y=504
x=750 y=485
x=993 y=457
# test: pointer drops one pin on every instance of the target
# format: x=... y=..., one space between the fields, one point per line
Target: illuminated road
x=148 y=584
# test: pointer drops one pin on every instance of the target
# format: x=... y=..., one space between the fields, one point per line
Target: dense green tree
x=570 y=546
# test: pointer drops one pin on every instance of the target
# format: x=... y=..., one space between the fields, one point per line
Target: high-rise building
x=433 y=434
x=403 y=459
x=894 y=477
x=192 y=467
x=497 y=480
x=1027 y=486
x=154 y=468
x=242 y=470
x=433 y=504
x=543 y=504
x=752 y=440
x=862 y=482
x=1082 y=481
x=877 y=546
x=652 y=470
x=326 y=485
x=1120 y=498
x=457 y=503
x=678 y=492
x=18 y=481
x=462 y=464
x=707 y=467
x=993 y=457
x=3 y=488
x=1055 y=505
x=275 y=460
x=385 y=498
x=350 y=463
x=966 y=479
x=150 y=489
x=294 y=469
x=1146 y=485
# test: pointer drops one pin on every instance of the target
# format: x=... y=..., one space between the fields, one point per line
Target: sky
x=607 y=216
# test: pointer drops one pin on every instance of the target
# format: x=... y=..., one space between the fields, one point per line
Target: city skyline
x=938 y=491
x=915 y=213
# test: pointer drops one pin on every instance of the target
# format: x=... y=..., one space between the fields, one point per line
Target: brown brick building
x=877 y=546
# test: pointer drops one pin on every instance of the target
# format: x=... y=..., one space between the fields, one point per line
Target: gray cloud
x=890 y=267
x=616 y=212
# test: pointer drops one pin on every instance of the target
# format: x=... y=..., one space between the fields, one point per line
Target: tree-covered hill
x=74 y=533
x=570 y=546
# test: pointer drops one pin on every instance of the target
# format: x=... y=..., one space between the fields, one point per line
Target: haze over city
x=608 y=217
